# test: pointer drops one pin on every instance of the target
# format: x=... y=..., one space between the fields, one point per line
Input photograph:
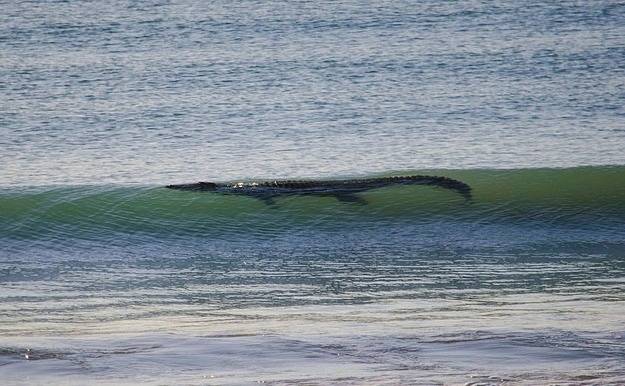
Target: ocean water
x=106 y=277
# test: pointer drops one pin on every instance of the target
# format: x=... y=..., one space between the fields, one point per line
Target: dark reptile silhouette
x=343 y=190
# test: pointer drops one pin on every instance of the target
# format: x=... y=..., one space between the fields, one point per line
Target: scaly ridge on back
x=342 y=188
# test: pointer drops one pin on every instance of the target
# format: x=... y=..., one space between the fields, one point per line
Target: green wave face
x=569 y=197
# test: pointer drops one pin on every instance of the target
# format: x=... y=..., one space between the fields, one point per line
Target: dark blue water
x=108 y=278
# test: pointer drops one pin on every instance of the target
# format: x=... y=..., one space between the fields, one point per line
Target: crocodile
x=343 y=190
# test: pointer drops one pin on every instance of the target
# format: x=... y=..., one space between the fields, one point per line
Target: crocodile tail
x=440 y=181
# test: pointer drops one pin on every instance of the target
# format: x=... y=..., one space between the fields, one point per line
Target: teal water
x=522 y=284
x=106 y=277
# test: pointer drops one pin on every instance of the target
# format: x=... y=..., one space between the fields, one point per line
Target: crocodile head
x=198 y=186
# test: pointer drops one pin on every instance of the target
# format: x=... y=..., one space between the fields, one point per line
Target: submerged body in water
x=343 y=190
